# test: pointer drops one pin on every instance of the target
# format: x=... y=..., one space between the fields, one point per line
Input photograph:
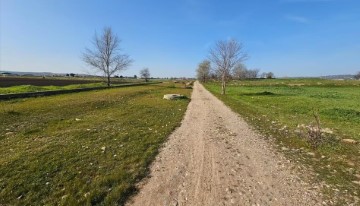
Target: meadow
x=278 y=108
x=87 y=148
x=32 y=88
x=46 y=81
x=13 y=85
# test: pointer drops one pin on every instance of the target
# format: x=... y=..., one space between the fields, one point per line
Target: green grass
x=86 y=148
x=270 y=105
x=31 y=84
x=32 y=88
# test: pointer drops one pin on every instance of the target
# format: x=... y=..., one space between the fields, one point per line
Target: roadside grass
x=86 y=148
x=277 y=107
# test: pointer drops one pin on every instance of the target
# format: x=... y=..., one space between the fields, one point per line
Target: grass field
x=84 y=148
x=39 y=81
x=32 y=88
x=276 y=108
x=36 y=84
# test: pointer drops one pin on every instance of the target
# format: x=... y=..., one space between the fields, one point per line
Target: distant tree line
x=71 y=75
x=205 y=73
x=267 y=75
x=226 y=62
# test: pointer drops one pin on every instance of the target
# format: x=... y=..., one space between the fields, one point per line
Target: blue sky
x=287 y=37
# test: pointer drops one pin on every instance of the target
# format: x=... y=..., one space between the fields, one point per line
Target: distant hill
x=15 y=73
x=51 y=74
x=40 y=74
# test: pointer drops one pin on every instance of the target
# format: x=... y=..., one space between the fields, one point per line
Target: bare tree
x=357 y=76
x=225 y=55
x=105 y=57
x=240 y=71
x=263 y=75
x=145 y=74
x=253 y=73
x=203 y=71
x=269 y=75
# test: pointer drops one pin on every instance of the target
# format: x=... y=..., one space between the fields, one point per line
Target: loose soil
x=215 y=158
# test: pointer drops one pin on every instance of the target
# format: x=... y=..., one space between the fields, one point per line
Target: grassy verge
x=84 y=148
x=277 y=107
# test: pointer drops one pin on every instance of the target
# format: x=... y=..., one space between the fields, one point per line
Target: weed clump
x=314 y=134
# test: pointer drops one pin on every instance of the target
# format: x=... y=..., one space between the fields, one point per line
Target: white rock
x=356 y=182
x=349 y=141
x=327 y=130
x=311 y=154
x=173 y=96
x=284 y=149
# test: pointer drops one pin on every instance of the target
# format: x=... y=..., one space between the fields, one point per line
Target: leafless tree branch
x=203 y=70
x=105 y=56
x=225 y=55
x=145 y=73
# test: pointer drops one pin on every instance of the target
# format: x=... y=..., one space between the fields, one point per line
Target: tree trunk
x=223 y=84
x=108 y=80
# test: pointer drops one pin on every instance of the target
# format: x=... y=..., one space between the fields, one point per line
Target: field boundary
x=65 y=91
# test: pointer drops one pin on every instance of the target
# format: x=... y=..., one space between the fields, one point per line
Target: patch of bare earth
x=215 y=158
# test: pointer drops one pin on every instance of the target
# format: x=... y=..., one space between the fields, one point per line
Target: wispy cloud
x=297 y=19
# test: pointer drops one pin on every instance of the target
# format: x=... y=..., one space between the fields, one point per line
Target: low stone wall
x=55 y=92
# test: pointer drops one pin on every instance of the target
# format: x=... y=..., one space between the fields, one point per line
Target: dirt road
x=214 y=158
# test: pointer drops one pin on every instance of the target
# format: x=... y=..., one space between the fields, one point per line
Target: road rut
x=215 y=158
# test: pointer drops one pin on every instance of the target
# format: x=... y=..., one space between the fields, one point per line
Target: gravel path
x=214 y=158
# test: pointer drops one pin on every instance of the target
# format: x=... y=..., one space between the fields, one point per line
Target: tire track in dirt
x=215 y=158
